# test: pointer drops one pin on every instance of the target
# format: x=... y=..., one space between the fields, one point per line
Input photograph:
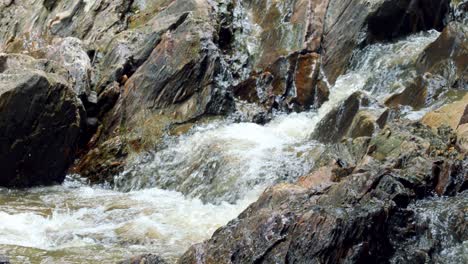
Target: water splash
x=222 y=161
x=63 y=218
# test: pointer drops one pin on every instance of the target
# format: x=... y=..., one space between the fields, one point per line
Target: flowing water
x=178 y=195
x=442 y=224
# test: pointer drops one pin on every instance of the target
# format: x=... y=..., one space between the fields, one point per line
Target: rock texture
x=40 y=123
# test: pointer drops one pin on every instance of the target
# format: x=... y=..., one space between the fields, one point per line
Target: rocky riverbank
x=193 y=96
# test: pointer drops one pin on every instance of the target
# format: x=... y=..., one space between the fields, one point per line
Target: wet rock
x=450 y=177
x=452 y=115
x=440 y=67
x=285 y=63
x=430 y=230
x=407 y=16
x=101 y=164
x=364 y=125
x=459 y=10
x=286 y=27
x=144 y=259
x=353 y=23
x=337 y=122
x=40 y=120
x=355 y=220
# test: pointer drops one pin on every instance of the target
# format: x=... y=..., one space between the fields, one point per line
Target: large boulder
x=40 y=123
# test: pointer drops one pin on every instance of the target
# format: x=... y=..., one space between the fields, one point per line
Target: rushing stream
x=178 y=195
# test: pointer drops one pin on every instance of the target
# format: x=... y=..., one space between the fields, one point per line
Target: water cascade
x=181 y=192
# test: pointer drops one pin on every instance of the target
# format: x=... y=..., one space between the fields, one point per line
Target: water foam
x=158 y=220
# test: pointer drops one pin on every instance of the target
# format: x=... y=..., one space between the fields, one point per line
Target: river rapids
x=179 y=194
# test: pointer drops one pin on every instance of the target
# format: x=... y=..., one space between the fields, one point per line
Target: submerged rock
x=40 y=123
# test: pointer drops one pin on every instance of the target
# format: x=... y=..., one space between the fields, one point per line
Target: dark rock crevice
x=396 y=19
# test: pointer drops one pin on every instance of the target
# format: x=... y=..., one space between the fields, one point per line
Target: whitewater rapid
x=179 y=194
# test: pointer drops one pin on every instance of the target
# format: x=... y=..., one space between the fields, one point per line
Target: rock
x=285 y=27
x=144 y=259
x=160 y=73
x=408 y=17
x=450 y=177
x=452 y=115
x=70 y=54
x=320 y=178
x=448 y=54
x=284 y=74
x=458 y=11
x=101 y=164
x=337 y=122
x=40 y=123
x=349 y=24
x=440 y=66
x=93 y=22
x=364 y=125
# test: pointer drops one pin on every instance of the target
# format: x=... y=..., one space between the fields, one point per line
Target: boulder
x=453 y=115
x=162 y=73
x=69 y=53
x=284 y=62
x=40 y=123
x=337 y=122
x=364 y=125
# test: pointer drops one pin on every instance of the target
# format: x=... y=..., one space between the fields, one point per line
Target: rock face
x=40 y=123
x=362 y=218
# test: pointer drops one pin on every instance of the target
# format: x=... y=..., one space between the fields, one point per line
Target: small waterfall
x=181 y=192
x=224 y=160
